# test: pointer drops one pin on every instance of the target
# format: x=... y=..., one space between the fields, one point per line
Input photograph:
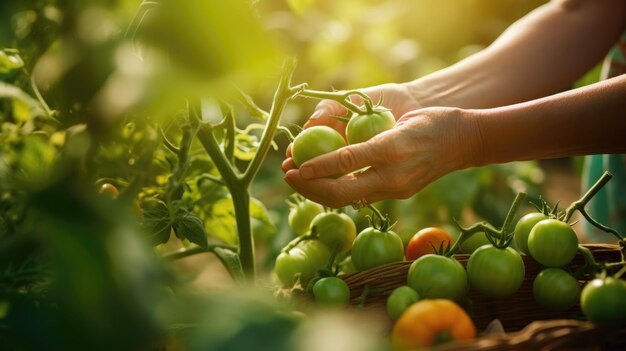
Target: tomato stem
x=582 y=202
x=342 y=97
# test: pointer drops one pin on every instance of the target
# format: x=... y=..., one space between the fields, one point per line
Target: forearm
x=541 y=54
x=584 y=121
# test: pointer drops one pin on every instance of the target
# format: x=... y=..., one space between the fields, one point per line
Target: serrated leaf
x=222 y=223
x=232 y=263
x=190 y=227
x=157 y=221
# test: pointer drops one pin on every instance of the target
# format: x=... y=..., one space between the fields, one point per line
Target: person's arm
x=584 y=121
x=428 y=143
x=541 y=54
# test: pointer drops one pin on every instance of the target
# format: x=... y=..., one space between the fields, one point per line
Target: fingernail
x=316 y=115
x=307 y=172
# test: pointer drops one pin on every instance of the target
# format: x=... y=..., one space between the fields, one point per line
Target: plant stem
x=341 y=97
x=196 y=250
x=512 y=211
x=241 y=204
x=282 y=96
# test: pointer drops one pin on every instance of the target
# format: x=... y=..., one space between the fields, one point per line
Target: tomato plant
x=399 y=299
x=301 y=261
x=426 y=241
x=523 y=228
x=336 y=230
x=331 y=291
x=315 y=141
x=438 y=277
x=555 y=289
x=603 y=300
x=363 y=126
x=552 y=243
x=431 y=322
x=301 y=214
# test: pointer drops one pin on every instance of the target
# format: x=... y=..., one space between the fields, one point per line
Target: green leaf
x=223 y=225
x=157 y=221
x=190 y=227
x=232 y=263
x=24 y=106
x=9 y=63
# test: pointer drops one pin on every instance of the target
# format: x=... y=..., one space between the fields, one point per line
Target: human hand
x=396 y=97
x=424 y=145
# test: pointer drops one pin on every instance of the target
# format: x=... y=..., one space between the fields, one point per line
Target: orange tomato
x=423 y=241
x=431 y=322
x=109 y=190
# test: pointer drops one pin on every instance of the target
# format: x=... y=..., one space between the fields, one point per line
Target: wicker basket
x=515 y=312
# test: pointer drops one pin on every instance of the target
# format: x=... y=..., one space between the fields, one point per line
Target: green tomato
x=331 y=291
x=495 y=272
x=473 y=242
x=604 y=300
x=336 y=230
x=315 y=141
x=303 y=261
x=362 y=127
x=373 y=248
x=523 y=228
x=301 y=215
x=553 y=243
x=346 y=266
x=555 y=289
x=438 y=277
x=400 y=298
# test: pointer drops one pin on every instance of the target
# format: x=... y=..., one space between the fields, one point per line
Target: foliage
x=127 y=93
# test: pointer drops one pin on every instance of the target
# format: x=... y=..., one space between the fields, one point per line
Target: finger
x=342 y=161
x=288 y=164
x=331 y=192
x=288 y=150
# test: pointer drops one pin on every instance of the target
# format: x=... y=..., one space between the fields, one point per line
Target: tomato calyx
x=499 y=238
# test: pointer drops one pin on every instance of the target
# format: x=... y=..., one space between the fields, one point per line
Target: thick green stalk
x=241 y=204
x=282 y=96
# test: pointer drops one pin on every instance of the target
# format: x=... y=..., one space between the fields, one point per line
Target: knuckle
x=347 y=160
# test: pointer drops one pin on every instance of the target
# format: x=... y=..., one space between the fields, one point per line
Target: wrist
x=471 y=137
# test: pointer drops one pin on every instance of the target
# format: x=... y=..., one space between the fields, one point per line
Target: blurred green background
x=83 y=84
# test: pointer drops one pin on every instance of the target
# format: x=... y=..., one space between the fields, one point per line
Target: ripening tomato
x=301 y=215
x=335 y=230
x=438 y=277
x=373 y=248
x=303 y=261
x=315 y=141
x=523 y=228
x=426 y=241
x=431 y=322
x=553 y=243
x=362 y=127
x=109 y=190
